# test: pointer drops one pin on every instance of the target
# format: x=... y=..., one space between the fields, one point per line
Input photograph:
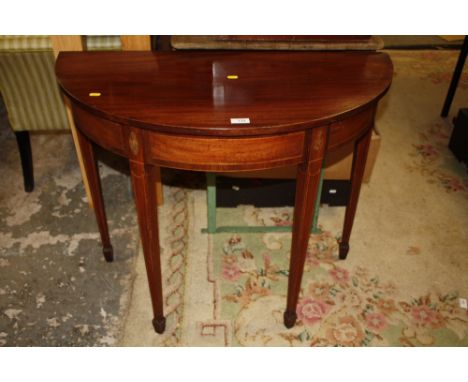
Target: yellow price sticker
x=94 y=94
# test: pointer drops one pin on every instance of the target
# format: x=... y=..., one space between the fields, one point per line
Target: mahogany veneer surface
x=189 y=92
x=174 y=109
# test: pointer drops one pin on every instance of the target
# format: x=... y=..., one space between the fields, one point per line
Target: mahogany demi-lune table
x=223 y=111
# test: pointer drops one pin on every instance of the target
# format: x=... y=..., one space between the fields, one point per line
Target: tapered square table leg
x=307 y=185
x=143 y=178
x=92 y=173
x=361 y=149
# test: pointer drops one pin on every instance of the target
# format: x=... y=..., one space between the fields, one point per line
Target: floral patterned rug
x=401 y=284
x=405 y=274
x=339 y=305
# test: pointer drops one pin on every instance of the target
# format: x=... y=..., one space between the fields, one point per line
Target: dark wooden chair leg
x=361 y=148
x=24 y=146
x=92 y=172
x=455 y=78
x=143 y=180
x=307 y=184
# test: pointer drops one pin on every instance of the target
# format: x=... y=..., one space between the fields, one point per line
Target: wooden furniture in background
x=224 y=111
x=135 y=42
x=72 y=43
x=277 y=42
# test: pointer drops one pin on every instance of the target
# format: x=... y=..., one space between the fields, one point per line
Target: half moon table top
x=199 y=93
x=223 y=111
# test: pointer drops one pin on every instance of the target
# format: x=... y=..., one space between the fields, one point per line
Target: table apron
x=351 y=128
x=214 y=153
x=105 y=133
x=223 y=154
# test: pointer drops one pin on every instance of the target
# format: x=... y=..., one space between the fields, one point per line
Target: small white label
x=332 y=191
x=463 y=303
x=240 y=121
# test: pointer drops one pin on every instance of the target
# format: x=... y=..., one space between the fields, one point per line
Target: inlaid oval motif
x=318 y=142
x=133 y=143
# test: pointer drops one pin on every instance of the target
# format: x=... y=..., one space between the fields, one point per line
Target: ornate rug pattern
x=358 y=302
x=403 y=278
x=400 y=285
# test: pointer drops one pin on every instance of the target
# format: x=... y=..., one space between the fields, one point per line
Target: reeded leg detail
x=92 y=173
x=361 y=149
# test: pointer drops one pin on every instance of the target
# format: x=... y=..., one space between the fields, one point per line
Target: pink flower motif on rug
x=376 y=321
x=319 y=290
x=427 y=151
x=453 y=184
x=231 y=272
x=432 y=159
x=345 y=332
x=340 y=275
x=425 y=316
x=311 y=311
x=387 y=306
x=284 y=219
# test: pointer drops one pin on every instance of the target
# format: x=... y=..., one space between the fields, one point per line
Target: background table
x=224 y=111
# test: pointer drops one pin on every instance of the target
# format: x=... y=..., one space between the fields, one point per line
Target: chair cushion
x=25 y=43
x=103 y=42
x=30 y=91
x=28 y=84
x=43 y=43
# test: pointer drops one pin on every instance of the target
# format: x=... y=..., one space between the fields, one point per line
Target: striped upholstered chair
x=30 y=92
